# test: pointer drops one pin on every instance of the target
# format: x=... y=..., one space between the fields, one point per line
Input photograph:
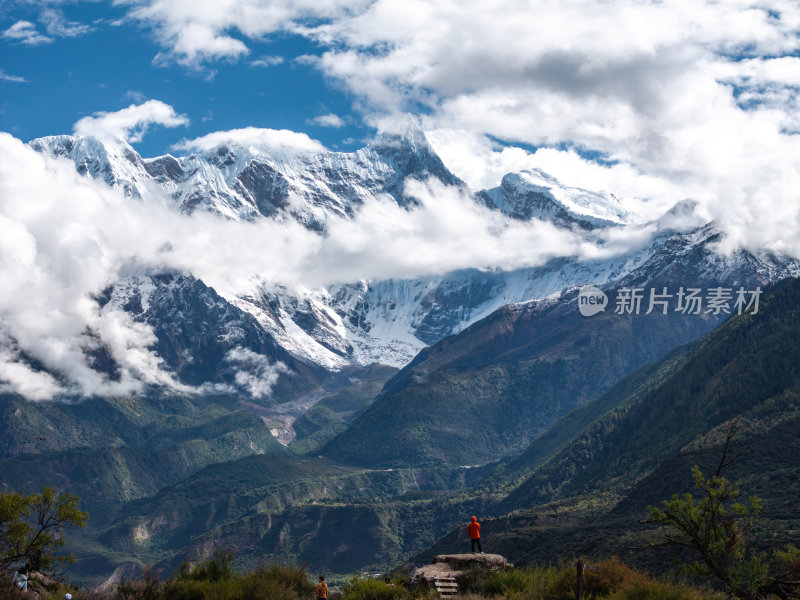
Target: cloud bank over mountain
x=681 y=99
x=67 y=237
x=275 y=142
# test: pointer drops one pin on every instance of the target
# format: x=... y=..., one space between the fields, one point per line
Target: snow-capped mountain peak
x=535 y=194
x=114 y=162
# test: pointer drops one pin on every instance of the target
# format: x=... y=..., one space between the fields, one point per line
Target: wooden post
x=579 y=580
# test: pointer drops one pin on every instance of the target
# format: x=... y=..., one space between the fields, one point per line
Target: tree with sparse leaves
x=719 y=527
x=32 y=528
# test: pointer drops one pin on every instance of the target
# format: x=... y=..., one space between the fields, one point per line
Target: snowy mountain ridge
x=244 y=182
x=390 y=321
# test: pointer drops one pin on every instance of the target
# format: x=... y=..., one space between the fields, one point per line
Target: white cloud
x=482 y=163
x=196 y=32
x=445 y=232
x=273 y=141
x=255 y=373
x=13 y=78
x=26 y=33
x=135 y=96
x=16 y=377
x=329 y=120
x=63 y=241
x=131 y=123
x=784 y=71
x=266 y=61
x=57 y=24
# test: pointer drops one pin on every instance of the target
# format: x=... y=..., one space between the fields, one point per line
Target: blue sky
x=112 y=66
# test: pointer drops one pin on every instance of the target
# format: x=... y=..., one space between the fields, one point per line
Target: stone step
x=446 y=587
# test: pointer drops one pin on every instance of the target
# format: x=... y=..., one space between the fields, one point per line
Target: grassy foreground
x=216 y=580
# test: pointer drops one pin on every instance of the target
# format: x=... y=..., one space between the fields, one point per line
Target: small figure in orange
x=474 y=530
x=322 y=589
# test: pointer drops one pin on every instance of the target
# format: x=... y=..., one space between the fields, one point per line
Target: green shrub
x=599 y=580
x=140 y=589
x=373 y=589
x=215 y=579
x=645 y=588
x=473 y=580
x=532 y=583
x=185 y=589
x=499 y=582
x=276 y=583
x=609 y=579
x=217 y=568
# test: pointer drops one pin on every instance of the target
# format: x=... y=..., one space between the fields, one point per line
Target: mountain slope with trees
x=487 y=392
x=589 y=480
x=590 y=495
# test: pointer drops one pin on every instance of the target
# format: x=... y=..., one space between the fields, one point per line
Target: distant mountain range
x=365 y=322
x=403 y=402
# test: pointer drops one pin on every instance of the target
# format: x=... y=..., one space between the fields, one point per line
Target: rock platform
x=446 y=566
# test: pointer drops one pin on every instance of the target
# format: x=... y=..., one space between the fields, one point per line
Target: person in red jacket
x=474 y=530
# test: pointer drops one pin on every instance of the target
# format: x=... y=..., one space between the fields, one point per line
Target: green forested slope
x=110 y=451
x=487 y=392
x=589 y=496
x=748 y=361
